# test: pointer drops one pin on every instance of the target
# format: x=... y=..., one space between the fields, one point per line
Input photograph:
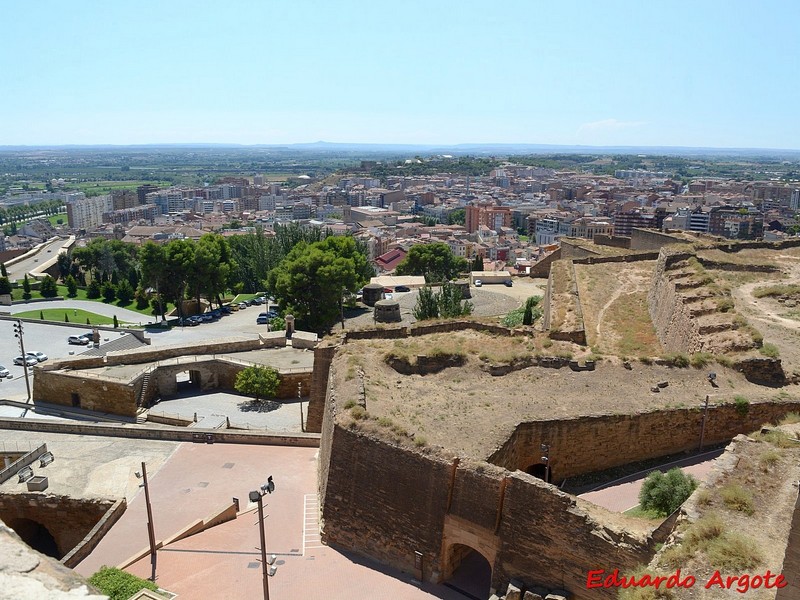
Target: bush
x=700 y=359
x=5 y=285
x=733 y=552
x=737 y=498
x=770 y=350
x=665 y=493
x=119 y=585
x=742 y=405
x=26 y=288
x=677 y=359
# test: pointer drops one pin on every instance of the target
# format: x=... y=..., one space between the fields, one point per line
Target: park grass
x=16 y=294
x=65 y=315
x=643 y=513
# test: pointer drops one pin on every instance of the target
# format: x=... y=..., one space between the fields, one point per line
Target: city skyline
x=669 y=74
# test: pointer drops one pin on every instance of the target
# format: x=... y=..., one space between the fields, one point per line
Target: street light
x=18 y=335
x=257 y=496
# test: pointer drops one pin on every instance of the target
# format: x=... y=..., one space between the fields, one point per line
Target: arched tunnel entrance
x=37 y=536
x=188 y=381
x=539 y=470
x=468 y=572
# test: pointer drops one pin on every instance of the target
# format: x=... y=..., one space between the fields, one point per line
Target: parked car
x=78 y=340
x=262 y=319
x=387 y=290
x=188 y=322
x=272 y=314
x=4 y=372
x=478 y=283
x=402 y=288
x=26 y=360
x=508 y=283
x=242 y=305
x=258 y=300
x=39 y=356
x=226 y=310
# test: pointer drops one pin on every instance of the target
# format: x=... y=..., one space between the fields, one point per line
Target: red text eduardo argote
x=743 y=582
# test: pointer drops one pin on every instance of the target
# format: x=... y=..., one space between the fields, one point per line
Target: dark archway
x=470 y=572
x=187 y=381
x=538 y=470
x=37 y=536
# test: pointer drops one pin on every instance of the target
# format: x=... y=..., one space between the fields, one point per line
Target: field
x=67 y=315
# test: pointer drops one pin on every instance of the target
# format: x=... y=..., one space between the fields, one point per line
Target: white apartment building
x=87 y=213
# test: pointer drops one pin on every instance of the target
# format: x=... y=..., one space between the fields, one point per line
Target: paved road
x=18 y=270
x=623 y=494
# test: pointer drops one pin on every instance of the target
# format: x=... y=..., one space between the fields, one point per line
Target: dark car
x=262 y=319
x=402 y=288
x=508 y=283
x=225 y=310
x=188 y=322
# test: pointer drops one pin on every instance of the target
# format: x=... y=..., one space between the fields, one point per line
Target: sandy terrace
x=469 y=411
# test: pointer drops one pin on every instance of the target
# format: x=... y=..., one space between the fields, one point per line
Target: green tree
x=26 y=288
x=116 y=322
x=665 y=493
x=260 y=382
x=457 y=217
x=5 y=285
x=124 y=292
x=93 y=289
x=477 y=264
x=48 y=287
x=435 y=261
x=72 y=286
x=532 y=310
x=41 y=315
x=180 y=257
x=3 y=270
x=152 y=263
x=109 y=291
x=426 y=307
x=66 y=318
x=310 y=281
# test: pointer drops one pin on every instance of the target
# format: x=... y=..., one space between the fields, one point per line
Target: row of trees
x=307 y=272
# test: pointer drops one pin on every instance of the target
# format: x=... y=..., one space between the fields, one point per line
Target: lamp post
x=18 y=335
x=257 y=496
x=151 y=534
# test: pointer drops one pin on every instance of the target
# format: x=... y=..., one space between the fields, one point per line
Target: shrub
x=770 y=350
x=790 y=418
x=724 y=304
x=119 y=585
x=770 y=458
x=737 y=498
x=742 y=405
x=41 y=315
x=116 y=323
x=358 y=413
x=700 y=359
x=733 y=552
x=420 y=440
x=5 y=285
x=677 y=359
x=665 y=493
x=349 y=404
x=125 y=292
x=26 y=288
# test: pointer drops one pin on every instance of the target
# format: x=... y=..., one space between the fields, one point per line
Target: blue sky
x=595 y=72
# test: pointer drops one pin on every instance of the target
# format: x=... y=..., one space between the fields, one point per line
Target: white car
x=77 y=339
x=26 y=360
x=4 y=372
x=39 y=356
x=478 y=283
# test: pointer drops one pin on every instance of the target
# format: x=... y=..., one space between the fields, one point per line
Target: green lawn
x=245 y=297
x=67 y=315
x=16 y=294
x=638 y=511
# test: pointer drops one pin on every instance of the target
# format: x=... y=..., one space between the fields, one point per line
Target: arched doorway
x=187 y=381
x=539 y=470
x=37 y=536
x=469 y=572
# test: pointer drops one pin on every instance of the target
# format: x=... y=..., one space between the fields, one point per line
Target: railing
x=23 y=461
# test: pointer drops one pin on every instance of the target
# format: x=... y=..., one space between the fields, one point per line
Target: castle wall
x=589 y=444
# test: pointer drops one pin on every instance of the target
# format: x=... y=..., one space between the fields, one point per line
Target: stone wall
x=104 y=395
x=562 y=314
x=615 y=241
x=791 y=560
x=145 y=355
x=323 y=356
x=589 y=444
x=649 y=239
x=68 y=520
x=676 y=329
x=388 y=502
x=576 y=249
x=542 y=267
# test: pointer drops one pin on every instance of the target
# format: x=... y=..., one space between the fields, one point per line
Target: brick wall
x=99 y=395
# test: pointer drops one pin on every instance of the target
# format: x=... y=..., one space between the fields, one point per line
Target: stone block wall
x=615 y=241
x=68 y=520
x=94 y=394
x=542 y=267
x=562 y=314
x=649 y=239
x=323 y=357
x=589 y=444
x=791 y=560
x=388 y=502
x=676 y=329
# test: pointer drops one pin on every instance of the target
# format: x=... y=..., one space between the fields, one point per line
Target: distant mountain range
x=455 y=149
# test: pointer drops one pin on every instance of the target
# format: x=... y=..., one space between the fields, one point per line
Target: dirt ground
x=471 y=412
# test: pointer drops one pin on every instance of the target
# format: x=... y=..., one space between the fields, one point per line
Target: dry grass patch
x=629 y=316
x=735 y=497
